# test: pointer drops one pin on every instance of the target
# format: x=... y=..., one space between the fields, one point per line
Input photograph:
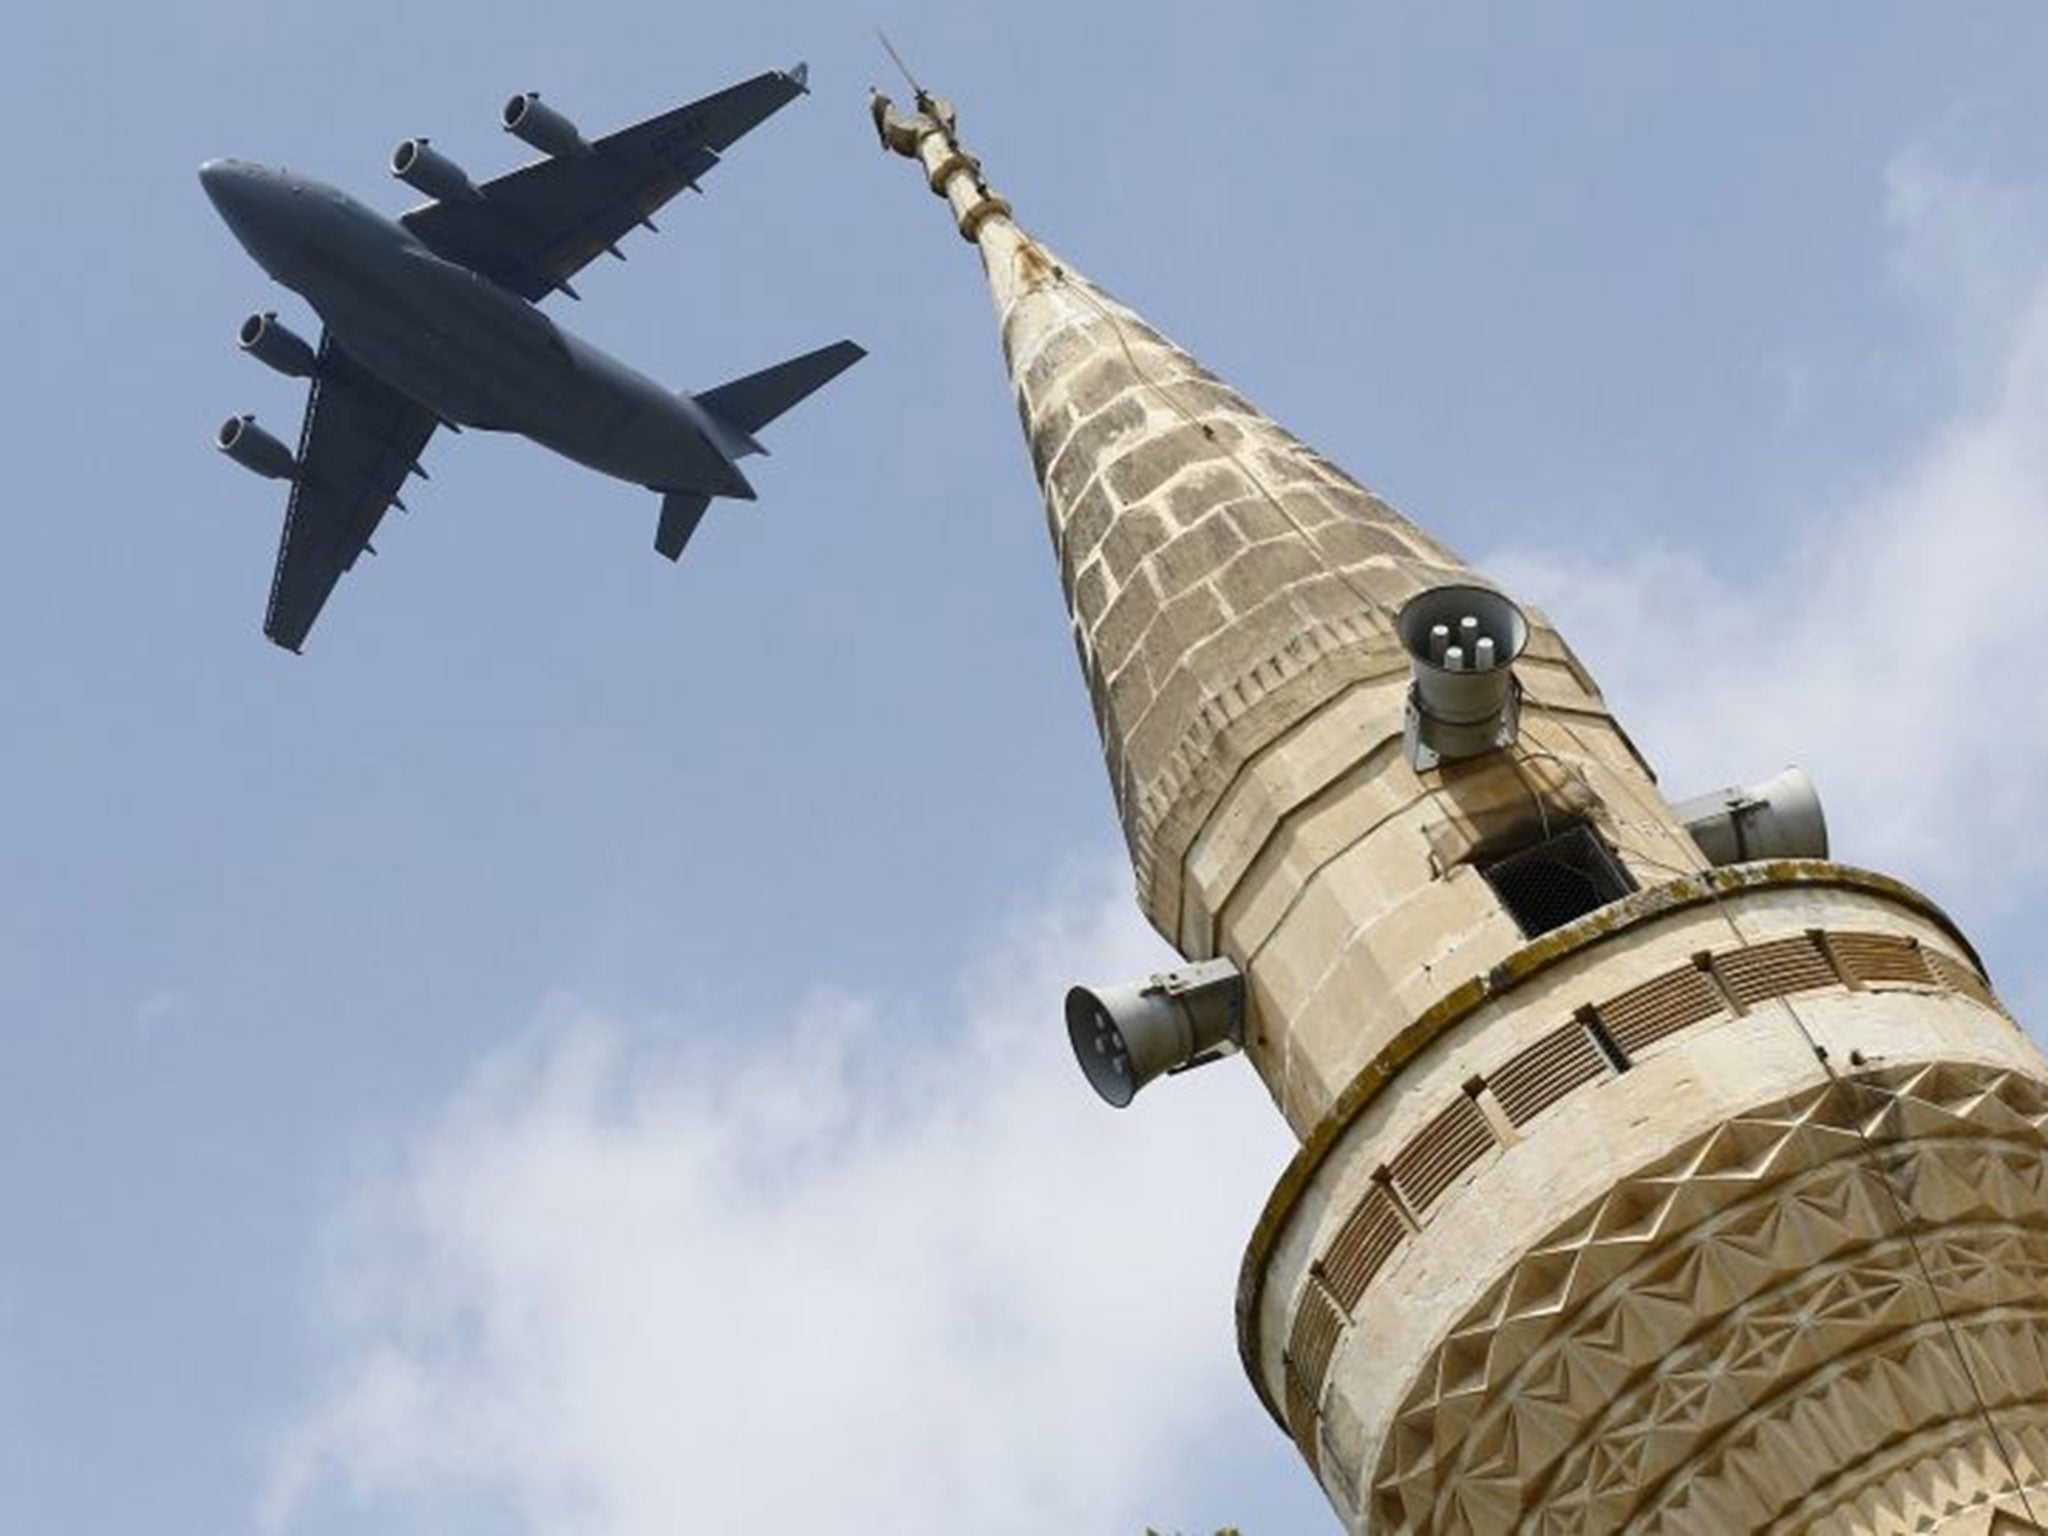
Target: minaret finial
x=931 y=135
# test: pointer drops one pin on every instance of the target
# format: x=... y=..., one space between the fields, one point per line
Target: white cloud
x=1966 y=250
x=844 y=1273
x=1891 y=645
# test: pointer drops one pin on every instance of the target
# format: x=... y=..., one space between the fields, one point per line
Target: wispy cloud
x=1889 y=644
x=840 y=1271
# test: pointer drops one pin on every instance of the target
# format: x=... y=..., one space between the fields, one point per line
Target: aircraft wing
x=360 y=440
x=534 y=229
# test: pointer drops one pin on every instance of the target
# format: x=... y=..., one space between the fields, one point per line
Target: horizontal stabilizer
x=680 y=513
x=752 y=402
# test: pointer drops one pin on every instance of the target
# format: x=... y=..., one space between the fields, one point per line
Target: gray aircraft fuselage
x=471 y=352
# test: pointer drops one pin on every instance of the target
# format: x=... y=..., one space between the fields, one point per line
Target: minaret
x=1656 y=1174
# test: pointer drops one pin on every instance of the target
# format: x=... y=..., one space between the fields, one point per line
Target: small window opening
x=1561 y=878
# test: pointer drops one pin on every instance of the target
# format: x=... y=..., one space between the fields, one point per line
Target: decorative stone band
x=1935 y=1474
x=1752 y=1334
x=1596 y=1042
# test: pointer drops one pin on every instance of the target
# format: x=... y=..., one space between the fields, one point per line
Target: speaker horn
x=1127 y=1035
x=1462 y=642
x=1775 y=818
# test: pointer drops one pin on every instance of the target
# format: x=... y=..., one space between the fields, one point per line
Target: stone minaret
x=1638 y=1190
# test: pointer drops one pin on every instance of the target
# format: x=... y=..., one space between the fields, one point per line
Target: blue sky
x=579 y=1049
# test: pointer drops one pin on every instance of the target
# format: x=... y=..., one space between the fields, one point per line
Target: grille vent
x=1567 y=876
x=1317 y=1327
x=1452 y=1142
x=1544 y=1073
x=1759 y=972
x=1367 y=1240
x=1959 y=977
x=1643 y=1015
x=1868 y=957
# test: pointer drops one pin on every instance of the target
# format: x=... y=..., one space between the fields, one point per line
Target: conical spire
x=1233 y=596
x=1216 y=568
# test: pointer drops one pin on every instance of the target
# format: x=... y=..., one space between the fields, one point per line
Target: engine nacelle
x=419 y=164
x=527 y=117
x=253 y=448
x=270 y=341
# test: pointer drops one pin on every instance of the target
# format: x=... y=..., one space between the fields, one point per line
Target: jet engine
x=419 y=164
x=253 y=448
x=543 y=127
x=270 y=341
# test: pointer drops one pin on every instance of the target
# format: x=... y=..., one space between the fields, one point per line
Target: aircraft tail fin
x=749 y=404
x=680 y=513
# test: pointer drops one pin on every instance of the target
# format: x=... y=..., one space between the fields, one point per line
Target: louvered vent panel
x=1313 y=1339
x=1443 y=1149
x=1366 y=1241
x=1539 y=1076
x=1643 y=1015
x=1763 y=971
x=1880 y=957
x=1961 y=978
x=1301 y=1423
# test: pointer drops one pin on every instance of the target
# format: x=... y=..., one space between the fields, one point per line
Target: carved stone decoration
x=1800 y=1322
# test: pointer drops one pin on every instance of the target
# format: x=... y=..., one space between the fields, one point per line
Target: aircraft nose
x=249 y=201
x=222 y=179
x=242 y=191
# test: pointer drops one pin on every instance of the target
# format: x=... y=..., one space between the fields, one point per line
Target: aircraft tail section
x=729 y=416
x=749 y=404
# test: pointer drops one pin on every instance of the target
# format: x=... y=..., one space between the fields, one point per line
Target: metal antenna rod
x=898 y=58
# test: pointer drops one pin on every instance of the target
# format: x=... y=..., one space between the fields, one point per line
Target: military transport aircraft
x=431 y=321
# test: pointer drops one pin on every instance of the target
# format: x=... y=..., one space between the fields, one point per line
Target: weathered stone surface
x=1141 y=468
x=1273 y=566
x=1100 y=380
x=1201 y=488
x=1258 y=519
x=1085 y=524
x=1348 y=542
x=1070 y=466
x=1200 y=550
x=1129 y=692
x=1125 y=621
x=1099 y=435
x=1056 y=354
x=1133 y=535
x=1183 y=624
x=1091 y=595
x=1046 y=434
x=1155 y=730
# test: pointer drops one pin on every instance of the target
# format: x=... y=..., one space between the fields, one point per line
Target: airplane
x=432 y=321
